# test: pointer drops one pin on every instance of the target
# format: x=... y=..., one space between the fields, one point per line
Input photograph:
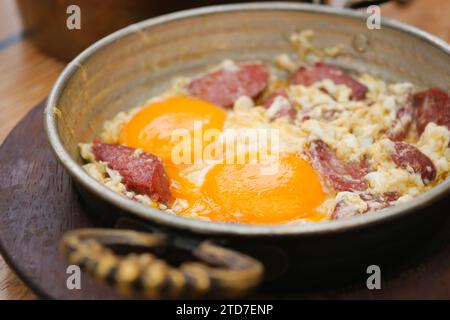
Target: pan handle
x=218 y=272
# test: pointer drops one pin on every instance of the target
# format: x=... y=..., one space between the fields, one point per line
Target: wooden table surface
x=27 y=75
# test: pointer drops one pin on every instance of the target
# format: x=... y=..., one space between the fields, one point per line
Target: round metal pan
x=126 y=68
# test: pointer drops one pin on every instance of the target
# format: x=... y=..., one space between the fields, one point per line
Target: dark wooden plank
x=38 y=204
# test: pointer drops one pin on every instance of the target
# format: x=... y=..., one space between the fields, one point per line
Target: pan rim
x=215 y=228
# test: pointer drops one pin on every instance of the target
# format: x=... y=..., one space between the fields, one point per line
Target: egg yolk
x=151 y=128
x=243 y=193
x=240 y=193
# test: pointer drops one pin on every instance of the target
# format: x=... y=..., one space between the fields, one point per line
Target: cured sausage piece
x=407 y=156
x=403 y=121
x=268 y=102
x=379 y=201
x=224 y=86
x=329 y=115
x=320 y=71
x=142 y=172
x=286 y=109
x=341 y=176
x=344 y=209
x=432 y=105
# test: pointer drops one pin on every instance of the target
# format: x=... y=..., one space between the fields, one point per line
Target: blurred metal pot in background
x=45 y=20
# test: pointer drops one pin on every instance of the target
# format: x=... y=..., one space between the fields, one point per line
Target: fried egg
x=220 y=191
x=151 y=129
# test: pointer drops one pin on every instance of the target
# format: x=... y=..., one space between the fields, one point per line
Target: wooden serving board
x=38 y=204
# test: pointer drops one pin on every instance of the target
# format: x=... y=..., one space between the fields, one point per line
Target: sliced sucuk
x=408 y=157
x=285 y=107
x=270 y=99
x=329 y=115
x=379 y=201
x=339 y=175
x=402 y=123
x=320 y=71
x=286 y=112
x=305 y=117
x=141 y=172
x=432 y=105
x=344 y=209
x=224 y=86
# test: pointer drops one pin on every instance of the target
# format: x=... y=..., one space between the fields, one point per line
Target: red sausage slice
x=432 y=105
x=407 y=157
x=320 y=71
x=287 y=110
x=223 y=87
x=341 y=176
x=402 y=122
x=142 y=172
x=379 y=201
x=280 y=93
x=343 y=209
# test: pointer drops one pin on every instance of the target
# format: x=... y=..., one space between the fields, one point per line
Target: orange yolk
x=228 y=192
x=240 y=193
x=151 y=129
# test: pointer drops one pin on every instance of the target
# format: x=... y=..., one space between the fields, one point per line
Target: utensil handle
x=219 y=271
